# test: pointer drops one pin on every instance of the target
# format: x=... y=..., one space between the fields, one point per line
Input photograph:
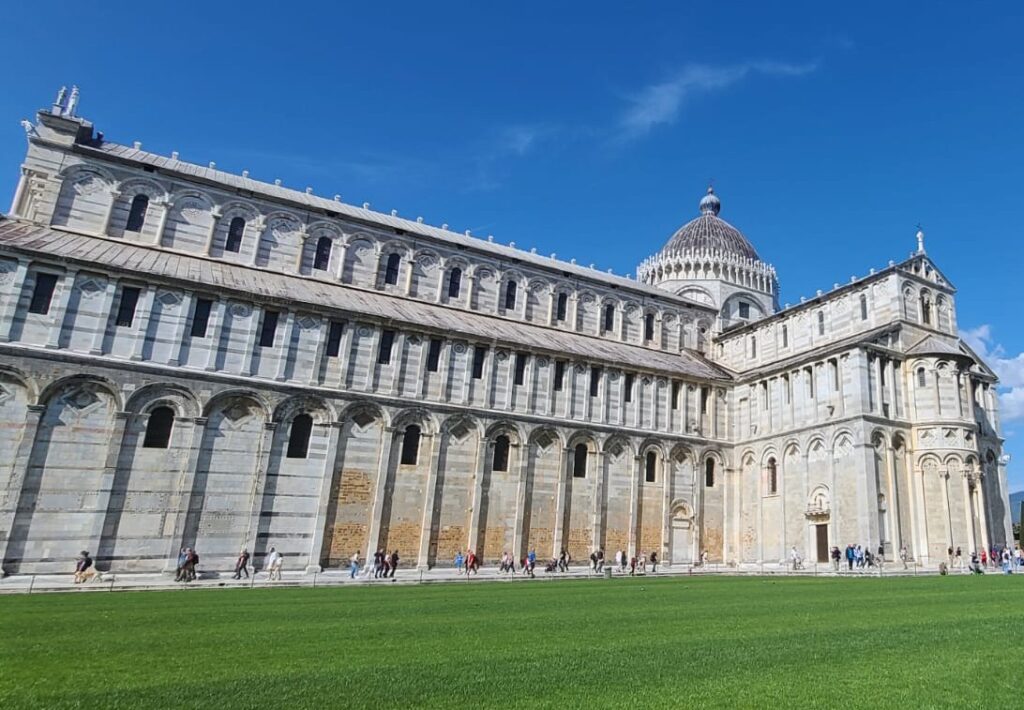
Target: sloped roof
x=314 y=294
x=934 y=345
x=709 y=232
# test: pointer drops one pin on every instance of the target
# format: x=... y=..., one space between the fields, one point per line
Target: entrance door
x=821 y=532
x=682 y=542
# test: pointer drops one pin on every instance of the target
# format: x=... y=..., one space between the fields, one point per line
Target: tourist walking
x=378 y=563
x=191 y=561
x=904 y=556
x=242 y=564
x=958 y=559
x=600 y=560
x=850 y=554
x=179 y=575
x=835 y=554
x=394 y=562
x=274 y=564
x=83 y=568
x=353 y=564
x=654 y=562
x=459 y=562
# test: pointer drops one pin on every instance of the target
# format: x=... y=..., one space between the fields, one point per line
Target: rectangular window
x=520 y=375
x=744 y=310
x=201 y=317
x=595 y=380
x=559 y=374
x=834 y=367
x=705 y=400
x=628 y=395
x=785 y=336
x=434 y=355
x=764 y=395
x=479 y=355
x=675 y=394
x=649 y=327
x=42 y=293
x=809 y=374
x=510 y=295
x=269 y=329
x=753 y=346
x=788 y=387
x=387 y=342
x=126 y=309
x=334 y=338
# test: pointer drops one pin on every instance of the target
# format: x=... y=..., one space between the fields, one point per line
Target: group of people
x=635 y=564
x=860 y=558
x=996 y=558
x=83 y=568
x=188 y=558
x=380 y=566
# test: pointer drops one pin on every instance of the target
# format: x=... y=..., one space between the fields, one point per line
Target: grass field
x=725 y=642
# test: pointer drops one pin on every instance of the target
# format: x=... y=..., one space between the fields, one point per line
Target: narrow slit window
x=785 y=336
x=609 y=318
x=709 y=473
x=649 y=327
x=520 y=374
x=821 y=323
x=434 y=355
x=391 y=269
x=773 y=477
x=126 y=308
x=753 y=346
x=863 y=307
x=298 y=437
x=579 y=461
x=510 y=295
x=410 y=445
x=322 y=258
x=236 y=229
x=922 y=378
x=479 y=356
x=499 y=462
x=455 y=283
x=137 y=213
x=269 y=330
x=387 y=342
x=561 y=307
x=559 y=375
x=158 y=428
x=42 y=293
x=595 y=380
x=744 y=310
x=628 y=387
x=201 y=317
x=675 y=394
x=651 y=467
x=334 y=334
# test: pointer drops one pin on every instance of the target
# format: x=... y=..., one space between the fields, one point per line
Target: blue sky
x=589 y=129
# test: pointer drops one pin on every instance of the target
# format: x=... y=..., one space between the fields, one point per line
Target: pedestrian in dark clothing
x=242 y=565
x=654 y=562
x=394 y=563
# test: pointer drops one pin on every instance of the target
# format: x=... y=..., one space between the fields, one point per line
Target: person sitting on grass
x=83 y=571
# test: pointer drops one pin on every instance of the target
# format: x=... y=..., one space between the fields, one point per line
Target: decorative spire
x=710 y=204
x=920 y=240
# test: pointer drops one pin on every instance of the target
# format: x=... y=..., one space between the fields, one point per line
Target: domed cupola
x=710 y=261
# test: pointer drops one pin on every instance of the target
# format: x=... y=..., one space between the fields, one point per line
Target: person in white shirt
x=274 y=564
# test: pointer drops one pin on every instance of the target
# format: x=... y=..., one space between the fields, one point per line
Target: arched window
x=579 y=461
x=510 y=295
x=391 y=271
x=922 y=378
x=298 y=437
x=500 y=460
x=322 y=258
x=651 y=467
x=455 y=283
x=926 y=309
x=773 y=477
x=235 y=231
x=709 y=473
x=561 y=307
x=609 y=317
x=137 y=213
x=158 y=428
x=863 y=307
x=649 y=326
x=410 y=445
x=821 y=322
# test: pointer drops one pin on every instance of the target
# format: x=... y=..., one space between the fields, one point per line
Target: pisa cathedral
x=190 y=357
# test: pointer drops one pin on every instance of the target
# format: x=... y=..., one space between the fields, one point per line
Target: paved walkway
x=29 y=584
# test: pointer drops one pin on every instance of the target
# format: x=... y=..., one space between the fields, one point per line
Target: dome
x=709 y=232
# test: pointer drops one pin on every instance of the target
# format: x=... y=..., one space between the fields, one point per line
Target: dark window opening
x=785 y=337
x=479 y=356
x=595 y=380
x=821 y=323
x=126 y=309
x=926 y=310
x=559 y=375
x=675 y=395
x=649 y=326
x=235 y=231
x=609 y=317
x=269 y=329
x=863 y=307
x=334 y=338
x=387 y=341
x=298 y=437
x=709 y=473
x=201 y=317
x=391 y=270
x=705 y=400
x=455 y=283
x=773 y=477
x=922 y=378
x=651 y=467
x=137 y=213
x=322 y=258
x=579 y=461
x=500 y=460
x=744 y=310
x=510 y=295
x=561 y=307
x=410 y=445
x=42 y=293
x=520 y=374
x=434 y=355
x=158 y=428
x=753 y=346
x=628 y=386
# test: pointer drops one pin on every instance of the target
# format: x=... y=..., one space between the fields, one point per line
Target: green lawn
x=725 y=642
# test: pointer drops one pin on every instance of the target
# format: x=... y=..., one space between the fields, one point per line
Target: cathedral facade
x=195 y=358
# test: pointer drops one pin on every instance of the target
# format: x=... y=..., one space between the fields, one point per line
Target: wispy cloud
x=505 y=144
x=660 y=103
x=1009 y=368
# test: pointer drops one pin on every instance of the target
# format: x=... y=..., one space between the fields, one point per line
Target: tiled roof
x=314 y=294
x=934 y=345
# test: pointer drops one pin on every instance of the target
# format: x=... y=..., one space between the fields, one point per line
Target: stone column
x=982 y=512
x=429 y=502
x=411 y=260
x=183 y=494
x=215 y=216
x=380 y=492
x=344 y=355
x=104 y=317
x=470 y=288
x=519 y=534
x=920 y=512
x=303 y=244
x=218 y=314
x=968 y=512
x=599 y=503
x=634 y=504
x=114 y=445
x=330 y=464
x=339 y=271
x=372 y=366
x=60 y=309
x=255 y=315
x=397 y=362
x=482 y=469
x=318 y=352
x=560 y=501
x=165 y=206
x=142 y=322
x=19 y=193
x=22 y=459
x=180 y=341
x=9 y=305
x=286 y=346
x=261 y=227
x=259 y=484
x=445 y=366
x=944 y=481
x=115 y=195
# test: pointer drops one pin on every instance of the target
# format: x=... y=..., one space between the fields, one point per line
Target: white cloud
x=1009 y=369
x=660 y=103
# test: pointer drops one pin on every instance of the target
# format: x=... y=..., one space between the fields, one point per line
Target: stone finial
x=920 y=240
x=394 y=213
x=309 y=191
x=893 y=263
x=213 y=165
x=610 y=271
x=277 y=181
x=468 y=233
x=30 y=130
x=572 y=261
x=871 y=272
x=337 y=197
x=786 y=306
x=835 y=286
x=803 y=299
x=554 y=255
x=60 y=102
x=533 y=250
x=818 y=292
x=174 y=155
x=419 y=220
x=511 y=245
x=245 y=173
x=490 y=237
x=853 y=279
x=444 y=226
x=72 y=103
x=366 y=205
